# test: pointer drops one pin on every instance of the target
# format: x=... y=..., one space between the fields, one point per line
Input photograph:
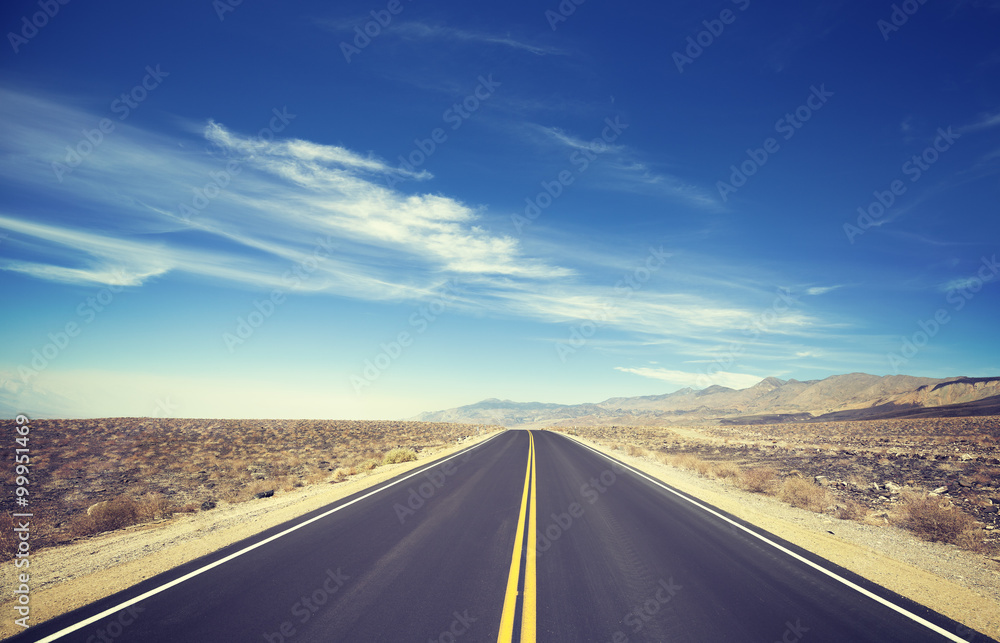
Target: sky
x=370 y=209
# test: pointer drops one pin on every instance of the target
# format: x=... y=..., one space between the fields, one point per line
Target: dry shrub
x=340 y=474
x=801 y=493
x=318 y=476
x=758 y=479
x=399 y=455
x=685 y=461
x=935 y=519
x=369 y=464
x=154 y=507
x=115 y=514
x=852 y=510
x=726 y=470
x=635 y=451
x=972 y=540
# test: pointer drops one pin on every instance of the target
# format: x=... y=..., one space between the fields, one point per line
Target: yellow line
x=510 y=597
x=528 y=609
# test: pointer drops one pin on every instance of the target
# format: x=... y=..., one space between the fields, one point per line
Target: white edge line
x=922 y=621
x=201 y=570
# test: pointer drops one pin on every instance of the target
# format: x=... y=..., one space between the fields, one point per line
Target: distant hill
x=840 y=397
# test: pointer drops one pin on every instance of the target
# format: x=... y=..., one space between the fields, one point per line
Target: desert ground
x=127 y=471
x=938 y=477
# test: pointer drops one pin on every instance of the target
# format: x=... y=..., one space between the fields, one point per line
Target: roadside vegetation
x=92 y=476
x=939 y=479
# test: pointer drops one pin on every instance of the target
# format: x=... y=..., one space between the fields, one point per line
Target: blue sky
x=374 y=209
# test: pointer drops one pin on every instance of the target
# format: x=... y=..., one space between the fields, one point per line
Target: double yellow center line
x=528 y=601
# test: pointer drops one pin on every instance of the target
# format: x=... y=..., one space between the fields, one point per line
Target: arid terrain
x=146 y=469
x=873 y=471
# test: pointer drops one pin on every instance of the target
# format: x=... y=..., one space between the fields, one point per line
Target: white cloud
x=617 y=167
x=123 y=212
x=986 y=121
x=120 y=224
x=821 y=290
x=424 y=31
x=695 y=380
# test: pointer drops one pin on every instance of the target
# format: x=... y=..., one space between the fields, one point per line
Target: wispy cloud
x=286 y=193
x=821 y=290
x=694 y=380
x=985 y=121
x=620 y=168
x=424 y=31
x=120 y=224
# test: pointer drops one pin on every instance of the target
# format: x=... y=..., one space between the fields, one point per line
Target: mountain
x=852 y=396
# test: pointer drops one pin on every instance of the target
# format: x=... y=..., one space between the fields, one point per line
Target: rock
x=965 y=457
x=821 y=480
x=208 y=504
x=941 y=489
x=264 y=494
x=892 y=487
x=874 y=487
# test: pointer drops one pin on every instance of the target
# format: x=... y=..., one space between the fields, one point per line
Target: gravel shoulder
x=961 y=585
x=66 y=577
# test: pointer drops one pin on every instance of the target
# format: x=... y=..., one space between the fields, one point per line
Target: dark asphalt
x=620 y=558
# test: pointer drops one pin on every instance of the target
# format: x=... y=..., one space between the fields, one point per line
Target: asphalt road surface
x=527 y=536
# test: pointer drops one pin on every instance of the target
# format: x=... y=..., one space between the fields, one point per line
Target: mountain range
x=855 y=396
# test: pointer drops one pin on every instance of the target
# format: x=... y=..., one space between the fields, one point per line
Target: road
x=527 y=536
